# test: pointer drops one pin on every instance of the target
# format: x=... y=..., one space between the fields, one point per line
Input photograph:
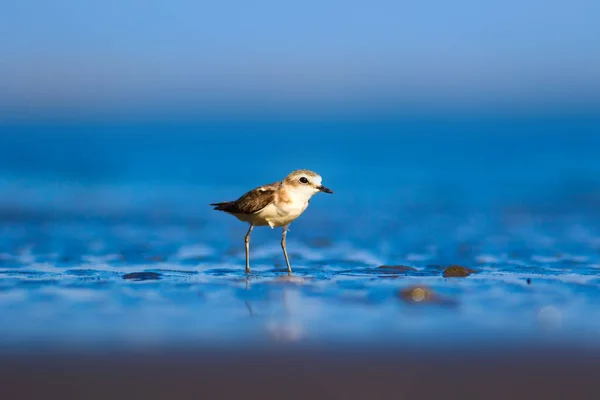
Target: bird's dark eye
x=303 y=180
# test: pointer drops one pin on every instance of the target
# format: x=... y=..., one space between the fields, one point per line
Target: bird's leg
x=287 y=261
x=247 y=240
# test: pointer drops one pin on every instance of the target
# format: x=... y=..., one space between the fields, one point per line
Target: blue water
x=106 y=236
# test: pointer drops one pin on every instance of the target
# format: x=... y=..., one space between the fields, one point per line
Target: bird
x=275 y=205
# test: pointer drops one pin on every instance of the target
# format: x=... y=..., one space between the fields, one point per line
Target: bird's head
x=305 y=182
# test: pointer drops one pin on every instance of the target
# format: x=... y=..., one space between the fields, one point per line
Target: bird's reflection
x=281 y=323
x=249 y=307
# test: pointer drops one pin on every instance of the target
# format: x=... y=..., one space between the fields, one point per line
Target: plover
x=275 y=205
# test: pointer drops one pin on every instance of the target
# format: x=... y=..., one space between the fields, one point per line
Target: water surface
x=106 y=236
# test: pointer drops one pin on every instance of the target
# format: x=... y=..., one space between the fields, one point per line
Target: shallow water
x=107 y=237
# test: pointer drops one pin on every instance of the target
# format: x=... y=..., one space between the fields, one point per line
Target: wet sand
x=296 y=373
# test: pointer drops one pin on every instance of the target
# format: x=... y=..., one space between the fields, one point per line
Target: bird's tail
x=226 y=206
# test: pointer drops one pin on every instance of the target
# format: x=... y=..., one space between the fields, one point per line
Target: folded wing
x=250 y=203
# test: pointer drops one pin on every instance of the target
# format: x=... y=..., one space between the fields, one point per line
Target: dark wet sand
x=544 y=373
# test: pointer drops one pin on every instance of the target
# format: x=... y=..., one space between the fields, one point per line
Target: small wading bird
x=275 y=205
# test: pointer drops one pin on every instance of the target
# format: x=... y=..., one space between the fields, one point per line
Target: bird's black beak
x=324 y=189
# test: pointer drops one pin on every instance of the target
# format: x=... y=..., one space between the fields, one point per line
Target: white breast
x=283 y=213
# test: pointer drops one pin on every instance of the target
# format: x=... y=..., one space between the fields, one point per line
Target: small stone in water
x=396 y=268
x=142 y=276
x=416 y=294
x=457 y=271
x=424 y=295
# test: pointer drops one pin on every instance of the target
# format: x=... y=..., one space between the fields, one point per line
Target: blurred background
x=102 y=97
x=451 y=132
x=186 y=59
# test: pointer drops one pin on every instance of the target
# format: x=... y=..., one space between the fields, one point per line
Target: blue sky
x=71 y=55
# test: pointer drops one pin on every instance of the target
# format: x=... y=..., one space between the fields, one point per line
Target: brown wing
x=255 y=200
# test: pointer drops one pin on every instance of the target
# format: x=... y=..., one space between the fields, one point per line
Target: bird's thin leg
x=287 y=260
x=247 y=240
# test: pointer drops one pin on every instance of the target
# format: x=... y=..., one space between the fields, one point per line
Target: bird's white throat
x=299 y=194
